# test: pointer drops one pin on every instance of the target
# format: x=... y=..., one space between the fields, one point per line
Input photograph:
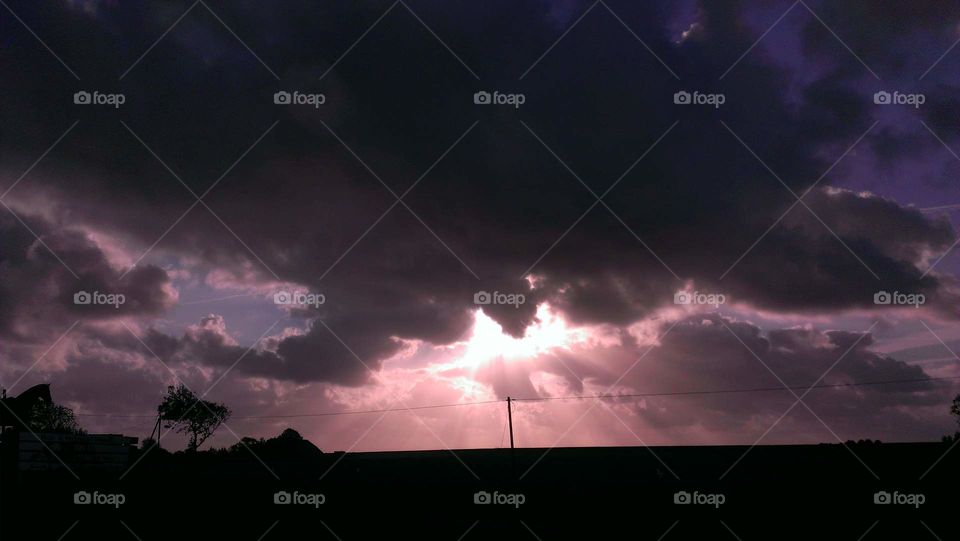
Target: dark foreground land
x=774 y=492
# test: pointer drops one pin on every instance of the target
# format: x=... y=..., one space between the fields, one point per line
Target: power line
x=323 y=414
x=544 y=399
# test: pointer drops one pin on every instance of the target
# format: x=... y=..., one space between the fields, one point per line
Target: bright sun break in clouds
x=488 y=342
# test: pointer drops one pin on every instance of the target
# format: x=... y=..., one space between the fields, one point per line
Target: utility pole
x=513 y=457
x=156 y=430
x=510 y=419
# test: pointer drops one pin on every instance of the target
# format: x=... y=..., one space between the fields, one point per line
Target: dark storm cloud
x=900 y=40
x=494 y=205
x=891 y=241
x=38 y=292
x=299 y=358
x=799 y=357
x=944 y=104
x=729 y=354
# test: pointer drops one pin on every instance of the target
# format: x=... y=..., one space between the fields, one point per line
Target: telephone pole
x=510 y=420
x=513 y=456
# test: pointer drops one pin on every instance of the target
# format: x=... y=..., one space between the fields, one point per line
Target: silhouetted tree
x=50 y=417
x=954 y=409
x=192 y=415
x=289 y=445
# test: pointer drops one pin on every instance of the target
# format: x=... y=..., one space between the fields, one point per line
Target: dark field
x=774 y=492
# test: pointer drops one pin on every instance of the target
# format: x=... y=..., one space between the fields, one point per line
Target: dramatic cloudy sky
x=399 y=198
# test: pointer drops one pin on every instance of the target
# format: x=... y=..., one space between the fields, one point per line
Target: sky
x=327 y=208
